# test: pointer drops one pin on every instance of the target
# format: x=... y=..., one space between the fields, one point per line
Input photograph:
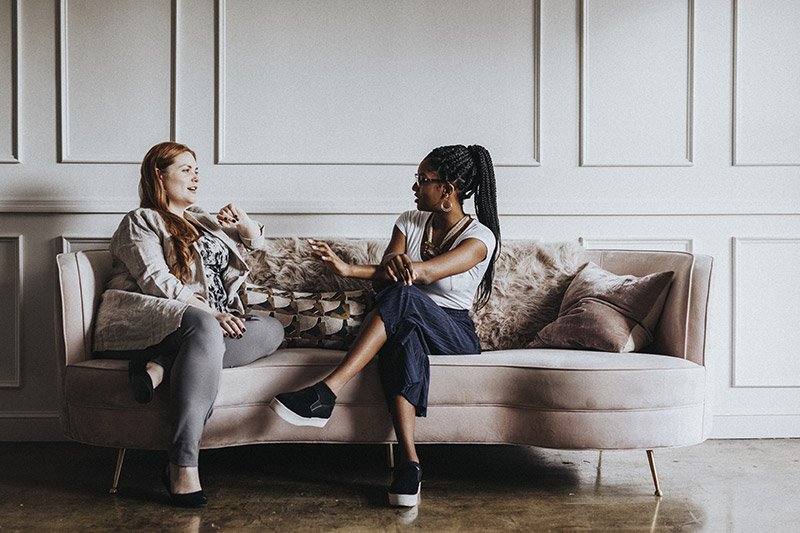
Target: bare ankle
x=156 y=373
x=184 y=479
x=333 y=385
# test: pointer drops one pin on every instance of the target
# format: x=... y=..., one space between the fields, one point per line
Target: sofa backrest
x=681 y=330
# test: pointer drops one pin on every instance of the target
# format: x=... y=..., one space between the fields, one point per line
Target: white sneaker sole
x=405 y=500
x=293 y=418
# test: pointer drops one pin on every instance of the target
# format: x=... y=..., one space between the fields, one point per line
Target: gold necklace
x=430 y=250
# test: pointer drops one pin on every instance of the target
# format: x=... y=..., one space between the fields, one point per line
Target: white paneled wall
x=766 y=64
x=636 y=82
x=112 y=53
x=642 y=124
x=292 y=78
x=765 y=337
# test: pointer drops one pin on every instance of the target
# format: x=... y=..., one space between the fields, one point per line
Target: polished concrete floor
x=745 y=485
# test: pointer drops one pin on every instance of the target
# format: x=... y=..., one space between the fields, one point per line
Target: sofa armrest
x=698 y=309
x=82 y=277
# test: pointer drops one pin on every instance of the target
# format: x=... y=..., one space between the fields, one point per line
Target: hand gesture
x=399 y=267
x=323 y=252
x=231 y=216
x=232 y=325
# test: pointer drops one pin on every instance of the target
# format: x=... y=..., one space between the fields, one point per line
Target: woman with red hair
x=171 y=305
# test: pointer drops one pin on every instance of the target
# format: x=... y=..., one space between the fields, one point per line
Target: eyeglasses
x=422 y=180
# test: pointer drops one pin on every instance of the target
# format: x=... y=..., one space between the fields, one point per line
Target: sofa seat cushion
x=530 y=378
x=567 y=380
x=542 y=397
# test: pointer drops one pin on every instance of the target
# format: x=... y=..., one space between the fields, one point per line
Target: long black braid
x=470 y=171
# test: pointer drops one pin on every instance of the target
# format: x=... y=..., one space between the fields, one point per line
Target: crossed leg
x=371 y=338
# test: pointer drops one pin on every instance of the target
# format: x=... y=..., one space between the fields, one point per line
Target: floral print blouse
x=215 y=256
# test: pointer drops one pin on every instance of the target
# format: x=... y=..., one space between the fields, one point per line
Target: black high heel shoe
x=140 y=381
x=191 y=500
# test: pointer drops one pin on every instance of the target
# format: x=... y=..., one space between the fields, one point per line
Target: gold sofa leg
x=117 y=471
x=652 y=462
x=390 y=455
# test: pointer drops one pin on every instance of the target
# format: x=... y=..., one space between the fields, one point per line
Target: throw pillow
x=311 y=319
x=607 y=312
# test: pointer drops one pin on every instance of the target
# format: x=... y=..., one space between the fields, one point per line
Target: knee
x=202 y=327
x=400 y=292
x=400 y=288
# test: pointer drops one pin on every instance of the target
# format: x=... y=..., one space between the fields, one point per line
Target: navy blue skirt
x=416 y=327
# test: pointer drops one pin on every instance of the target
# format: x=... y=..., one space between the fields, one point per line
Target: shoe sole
x=293 y=418
x=405 y=500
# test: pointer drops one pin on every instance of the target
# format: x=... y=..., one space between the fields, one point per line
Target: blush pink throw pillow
x=606 y=312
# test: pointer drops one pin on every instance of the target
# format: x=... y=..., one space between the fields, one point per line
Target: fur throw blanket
x=529 y=281
x=288 y=264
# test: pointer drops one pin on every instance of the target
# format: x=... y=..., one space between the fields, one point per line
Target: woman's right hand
x=323 y=252
x=232 y=325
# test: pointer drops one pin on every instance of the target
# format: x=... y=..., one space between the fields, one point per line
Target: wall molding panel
x=29 y=414
x=11 y=270
x=31 y=426
x=79 y=244
x=766 y=123
x=325 y=103
x=617 y=136
x=644 y=243
x=115 y=118
x=9 y=81
x=764 y=273
x=621 y=208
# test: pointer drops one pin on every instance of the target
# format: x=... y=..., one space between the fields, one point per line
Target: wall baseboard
x=755 y=426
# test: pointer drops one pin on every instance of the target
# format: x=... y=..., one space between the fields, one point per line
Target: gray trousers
x=193 y=357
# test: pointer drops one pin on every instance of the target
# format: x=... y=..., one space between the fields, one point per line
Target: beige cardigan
x=143 y=301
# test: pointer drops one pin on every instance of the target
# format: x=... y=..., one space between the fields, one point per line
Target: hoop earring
x=449 y=206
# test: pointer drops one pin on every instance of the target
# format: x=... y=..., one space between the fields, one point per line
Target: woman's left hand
x=400 y=267
x=231 y=216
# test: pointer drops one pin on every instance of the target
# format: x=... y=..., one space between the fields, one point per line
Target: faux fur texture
x=288 y=264
x=529 y=282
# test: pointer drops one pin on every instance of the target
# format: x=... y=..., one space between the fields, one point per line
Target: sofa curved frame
x=547 y=398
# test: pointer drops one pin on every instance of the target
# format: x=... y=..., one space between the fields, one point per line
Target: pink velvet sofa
x=564 y=399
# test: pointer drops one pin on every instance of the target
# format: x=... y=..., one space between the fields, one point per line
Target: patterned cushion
x=311 y=319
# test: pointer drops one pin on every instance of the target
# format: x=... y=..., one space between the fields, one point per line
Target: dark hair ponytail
x=471 y=172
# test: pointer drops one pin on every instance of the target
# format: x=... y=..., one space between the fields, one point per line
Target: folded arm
x=397 y=266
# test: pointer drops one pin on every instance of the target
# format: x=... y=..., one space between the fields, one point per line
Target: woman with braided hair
x=439 y=263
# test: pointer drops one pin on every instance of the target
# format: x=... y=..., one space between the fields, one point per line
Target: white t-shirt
x=454 y=292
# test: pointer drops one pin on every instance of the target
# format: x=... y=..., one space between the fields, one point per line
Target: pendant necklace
x=430 y=250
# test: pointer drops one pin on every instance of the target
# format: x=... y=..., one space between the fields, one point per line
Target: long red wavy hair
x=153 y=196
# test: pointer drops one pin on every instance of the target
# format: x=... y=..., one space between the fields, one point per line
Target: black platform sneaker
x=311 y=406
x=406 y=486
